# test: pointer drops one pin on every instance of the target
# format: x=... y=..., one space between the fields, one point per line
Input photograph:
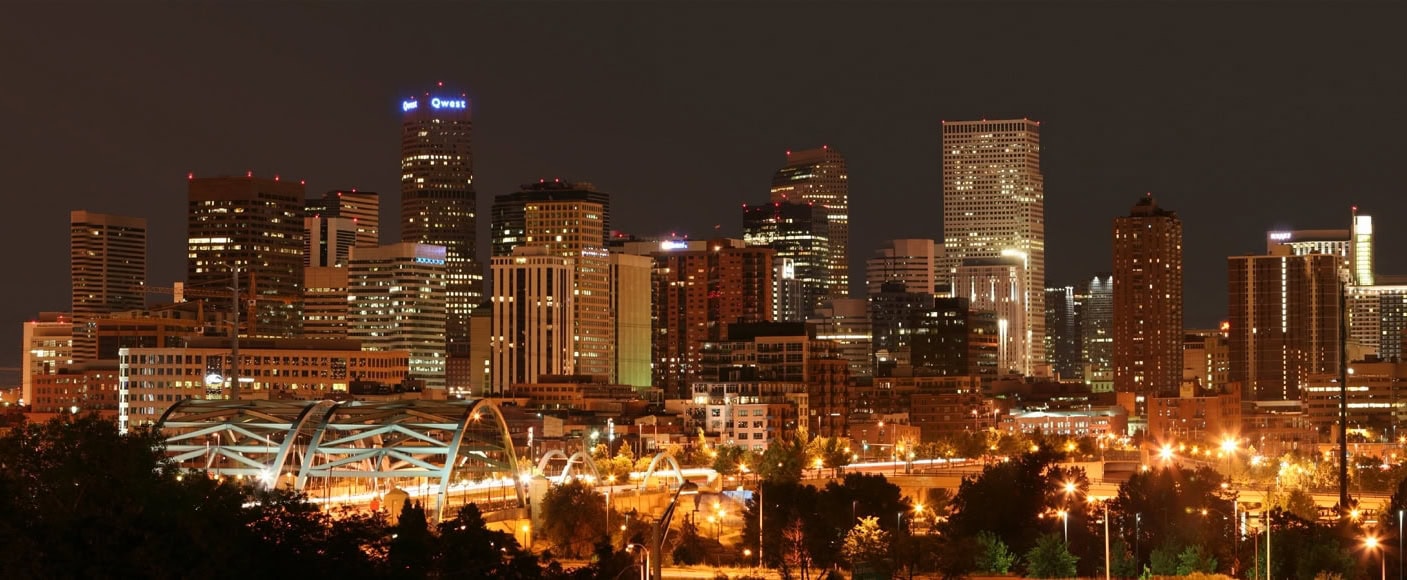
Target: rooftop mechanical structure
x=343 y=447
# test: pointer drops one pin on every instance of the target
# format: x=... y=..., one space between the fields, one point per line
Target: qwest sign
x=435 y=103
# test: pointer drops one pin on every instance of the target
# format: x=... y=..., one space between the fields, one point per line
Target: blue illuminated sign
x=409 y=105
x=438 y=103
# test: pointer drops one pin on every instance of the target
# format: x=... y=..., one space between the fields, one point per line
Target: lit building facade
x=998 y=285
x=912 y=262
x=532 y=318
x=700 y=289
x=1377 y=399
x=253 y=225
x=108 y=266
x=509 y=217
x=1147 y=301
x=1206 y=359
x=1195 y=414
x=1283 y=322
x=819 y=176
x=362 y=207
x=1096 y=299
x=994 y=207
x=1063 y=340
x=153 y=379
x=48 y=346
x=630 y=313
x=575 y=230
x=797 y=231
x=438 y=203
x=325 y=302
x=845 y=324
x=327 y=241
x=396 y=302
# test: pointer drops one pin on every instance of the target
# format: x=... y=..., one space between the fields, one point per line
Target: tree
x=1121 y=562
x=689 y=549
x=467 y=549
x=1193 y=559
x=795 y=558
x=783 y=460
x=1005 y=499
x=866 y=544
x=726 y=459
x=1163 y=561
x=1300 y=503
x=412 y=545
x=1050 y=558
x=993 y=555
x=574 y=517
x=834 y=453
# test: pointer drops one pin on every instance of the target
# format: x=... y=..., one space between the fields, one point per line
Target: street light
x=1373 y=545
x=644 y=570
x=1065 y=520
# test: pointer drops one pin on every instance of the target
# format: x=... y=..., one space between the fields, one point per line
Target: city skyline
x=1278 y=169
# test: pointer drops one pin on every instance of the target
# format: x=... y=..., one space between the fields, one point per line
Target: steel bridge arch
x=577 y=458
x=434 y=441
x=654 y=463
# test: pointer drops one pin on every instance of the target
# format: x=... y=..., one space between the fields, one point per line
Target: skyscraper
x=256 y=226
x=438 y=203
x=994 y=206
x=630 y=311
x=573 y=230
x=532 y=317
x=797 y=231
x=914 y=262
x=698 y=294
x=508 y=218
x=1096 y=296
x=1062 y=327
x=362 y=207
x=998 y=285
x=396 y=296
x=819 y=176
x=1284 y=322
x=1147 y=301
x=108 y=264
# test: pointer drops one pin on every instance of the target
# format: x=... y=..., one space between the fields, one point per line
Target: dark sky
x=1241 y=117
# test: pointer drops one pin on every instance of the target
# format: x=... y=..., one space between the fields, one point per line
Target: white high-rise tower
x=994 y=207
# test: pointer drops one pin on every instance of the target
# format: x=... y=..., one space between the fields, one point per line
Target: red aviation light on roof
x=190 y=175
x=302 y=182
x=249 y=174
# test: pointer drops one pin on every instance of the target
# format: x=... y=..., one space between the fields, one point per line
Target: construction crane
x=182 y=293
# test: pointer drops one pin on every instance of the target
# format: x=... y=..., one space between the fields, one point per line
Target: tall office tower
x=574 y=230
x=1147 y=301
x=532 y=317
x=630 y=311
x=254 y=225
x=998 y=285
x=1062 y=332
x=438 y=204
x=328 y=241
x=508 y=217
x=993 y=207
x=892 y=311
x=797 y=231
x=362 y=207
x=1096 y=297
x=325 y=303
x=845 y=323
x=48 y=345
x=914 y=262
x=1284 y=322
x=698 y=293
x=396 y=296
x=819 y=176
x=108 y=264
x=1354 y=246
x=478 y=366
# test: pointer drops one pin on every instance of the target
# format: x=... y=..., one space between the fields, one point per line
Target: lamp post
x=644 y=570
x=1373 y=545
x=1065 y=521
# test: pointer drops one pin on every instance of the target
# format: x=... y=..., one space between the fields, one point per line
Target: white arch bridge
x=326 y=444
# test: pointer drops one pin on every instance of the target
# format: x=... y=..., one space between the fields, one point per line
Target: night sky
x=1241 y=117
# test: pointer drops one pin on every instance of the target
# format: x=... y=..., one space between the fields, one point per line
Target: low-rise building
x=1091 y=421
x=152 y=379
x=1377 y=403
x=1196 y=414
